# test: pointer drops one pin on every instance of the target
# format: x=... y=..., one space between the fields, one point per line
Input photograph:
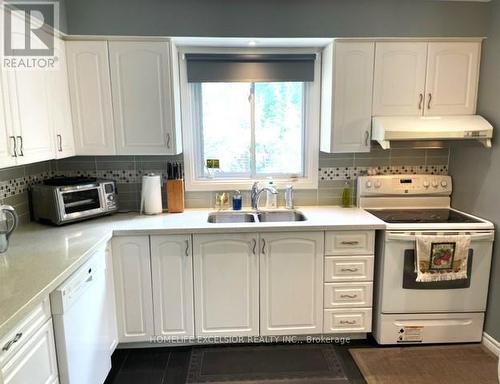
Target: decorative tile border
x=20 y=185
x=349 y=173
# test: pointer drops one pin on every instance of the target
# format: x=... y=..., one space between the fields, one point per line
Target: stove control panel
x=404 y=185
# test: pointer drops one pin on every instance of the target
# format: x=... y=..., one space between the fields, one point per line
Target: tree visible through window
x=253 y=129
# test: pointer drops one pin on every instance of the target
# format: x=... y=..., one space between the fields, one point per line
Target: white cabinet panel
x=349 y=268
x=110 y=310
x=172 y=267
x=226 y=281
x=452 y=78
x=355 y=320
x=342 y=295
x=7 y=156
x=291 y=283
x=399 y=81
x=35 y=362
x=134 y=296
x=90 y=91
x=347 y=97
x=61 y=120
x=29 y=96
x=349 y=243
x=142 y=97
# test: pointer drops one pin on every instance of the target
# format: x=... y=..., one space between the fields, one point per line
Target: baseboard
x=491 y=344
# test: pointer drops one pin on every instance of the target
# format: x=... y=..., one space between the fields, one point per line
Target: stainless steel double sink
x=255 y=217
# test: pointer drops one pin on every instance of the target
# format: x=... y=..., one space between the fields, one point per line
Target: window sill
x=223 y=185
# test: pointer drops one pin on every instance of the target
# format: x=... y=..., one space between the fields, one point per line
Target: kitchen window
x=250 y=117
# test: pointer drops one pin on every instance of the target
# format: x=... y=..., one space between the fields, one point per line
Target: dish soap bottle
x=271 y=198
x=347 y=195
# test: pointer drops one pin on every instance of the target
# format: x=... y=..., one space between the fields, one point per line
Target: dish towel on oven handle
x=440 y=258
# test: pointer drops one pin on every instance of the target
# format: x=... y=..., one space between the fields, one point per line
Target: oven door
x=400 y=293
x=80 y=202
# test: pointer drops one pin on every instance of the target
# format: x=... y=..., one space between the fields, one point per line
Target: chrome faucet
x=256 y=192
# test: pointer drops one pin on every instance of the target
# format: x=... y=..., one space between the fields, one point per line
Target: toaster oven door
x=79 y=203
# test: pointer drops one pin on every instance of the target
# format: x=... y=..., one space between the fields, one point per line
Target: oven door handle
x=411 y=236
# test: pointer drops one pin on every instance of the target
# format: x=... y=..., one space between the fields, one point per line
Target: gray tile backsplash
x=334 y=171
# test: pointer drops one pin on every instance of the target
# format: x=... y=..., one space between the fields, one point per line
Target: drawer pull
x=353 y=242
x=346 y=296
x=348 y=322
x=9 y=344
x=349 y=270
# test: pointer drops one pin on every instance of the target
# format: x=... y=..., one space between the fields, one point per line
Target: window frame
x=190 y=114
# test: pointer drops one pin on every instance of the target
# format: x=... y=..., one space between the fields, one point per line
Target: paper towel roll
x=151 y=194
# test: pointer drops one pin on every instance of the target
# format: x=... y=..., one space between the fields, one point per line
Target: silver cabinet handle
x=350 y=322
x=21 y=153
x=421 y=101
x=9 y=344
x=59 y=139
x=254 y=245
x=353 y=242
x=168 y=140
x=13 y=138
x=367 y=136
x=429 y=102
x=349 y=270
x=263 y=246
x=187 y=248
x=346 y=296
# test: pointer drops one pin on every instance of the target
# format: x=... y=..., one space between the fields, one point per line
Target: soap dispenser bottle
x=271 y=198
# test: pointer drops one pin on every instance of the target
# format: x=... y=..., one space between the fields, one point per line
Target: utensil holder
x=175 y=196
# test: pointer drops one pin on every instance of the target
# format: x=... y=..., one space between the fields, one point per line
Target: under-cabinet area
x=243 y=284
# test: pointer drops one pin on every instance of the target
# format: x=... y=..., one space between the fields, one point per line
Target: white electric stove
x=410 y=312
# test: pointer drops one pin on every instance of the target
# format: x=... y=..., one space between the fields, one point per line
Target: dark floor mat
x=266 y=364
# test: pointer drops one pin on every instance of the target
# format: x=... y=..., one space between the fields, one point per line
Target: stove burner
x=410 y=216
x=59 y=181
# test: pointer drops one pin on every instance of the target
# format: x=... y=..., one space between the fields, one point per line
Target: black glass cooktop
x=403 y=216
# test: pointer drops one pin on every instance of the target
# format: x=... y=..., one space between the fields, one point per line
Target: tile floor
x=169 y=365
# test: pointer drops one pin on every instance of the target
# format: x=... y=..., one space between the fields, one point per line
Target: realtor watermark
x=28 y=35
x=320 y=339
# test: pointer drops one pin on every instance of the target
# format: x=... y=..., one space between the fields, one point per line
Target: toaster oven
x=62 y=200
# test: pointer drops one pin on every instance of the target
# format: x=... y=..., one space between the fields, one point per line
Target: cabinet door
x=291 y=283
x=62 y=124
x=30 y=99
x=226 y=284
x=399 y=81
x=110 y=315
x=452 y=78
x=134 y=295
x=7 y=155
x=347 y=112
x=142 y=97
x=171 y=261
x=90 y=92
x=35 y=362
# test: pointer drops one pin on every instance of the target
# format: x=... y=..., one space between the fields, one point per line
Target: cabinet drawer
x=348 y=268
x=341 y=295
x=15 y=339
x=347 y=320
x=350 y=243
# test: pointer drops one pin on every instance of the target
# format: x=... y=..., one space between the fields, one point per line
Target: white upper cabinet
x=226 y=284
x=7 y=155
x=90 y=91
x=142 y=97
x=399 y=82
x=60 y=105
x=291 y=283
x=452 y=78
x=172 y=270
x=347 y=97
x=426 y=78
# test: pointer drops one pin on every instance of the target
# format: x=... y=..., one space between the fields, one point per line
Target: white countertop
x=41 y=257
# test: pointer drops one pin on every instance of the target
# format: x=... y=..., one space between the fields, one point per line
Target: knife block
x=175 y=196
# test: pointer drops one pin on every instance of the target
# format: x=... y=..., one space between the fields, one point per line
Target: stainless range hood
x=389 y=129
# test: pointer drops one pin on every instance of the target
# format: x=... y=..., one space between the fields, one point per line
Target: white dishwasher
x=80 y=316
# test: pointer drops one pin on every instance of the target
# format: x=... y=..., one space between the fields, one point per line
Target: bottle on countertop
x=271 y=198
x=237 y=201
x=347 y=194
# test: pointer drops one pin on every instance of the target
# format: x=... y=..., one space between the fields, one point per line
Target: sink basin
x=276 y=216
x=231 y=217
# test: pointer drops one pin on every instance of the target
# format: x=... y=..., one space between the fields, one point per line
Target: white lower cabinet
x=347 y=320
x=291 y=283
x=226 y=284
x=172 y=272
x=133 y=288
